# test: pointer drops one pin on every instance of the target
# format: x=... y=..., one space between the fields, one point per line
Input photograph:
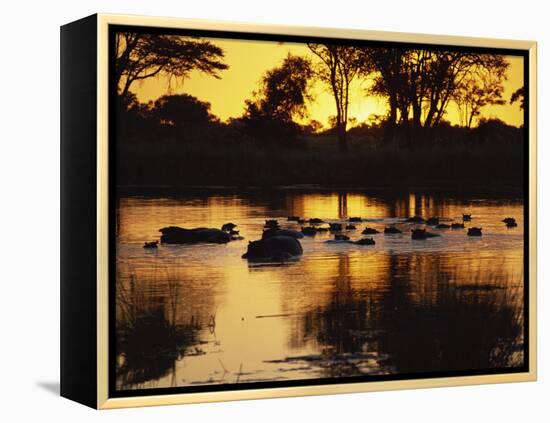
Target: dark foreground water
x=200 y=314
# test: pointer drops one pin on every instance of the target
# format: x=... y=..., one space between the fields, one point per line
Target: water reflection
x=149 y=338
x=474 y=328
x=343 y=328
x=200 y=314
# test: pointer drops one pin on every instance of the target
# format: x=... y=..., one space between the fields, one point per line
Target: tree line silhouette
x=418 y=86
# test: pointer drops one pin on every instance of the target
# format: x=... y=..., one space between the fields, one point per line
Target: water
x=200 y=314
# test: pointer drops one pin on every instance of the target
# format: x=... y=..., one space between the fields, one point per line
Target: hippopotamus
x=355 y=219
x=344 y=239
x=351 y=227
x=293 y=218
x=466 y=217
x=432 y=221
x=510 y=221
x=177 y=235
x=416 y=219
x=309 y=231
x=271 y=224
x=392 y=230
x=443 y=226
x=457 y=225
x=228 y=227
x=339 y=239
x=275 y=248
x=365 y=241
x=474 y=231
x=370 y=231
x=151 y=244
x=268 y=233
x=316 y=221
x=421 y=234
x=337 y=227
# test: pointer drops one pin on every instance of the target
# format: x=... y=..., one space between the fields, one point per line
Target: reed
x=150 y=339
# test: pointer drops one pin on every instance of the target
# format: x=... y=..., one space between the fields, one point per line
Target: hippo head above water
x=421 y=234
x=228 y=227
x=474 y=232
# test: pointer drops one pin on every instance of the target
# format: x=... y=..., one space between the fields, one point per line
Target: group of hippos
x=280 y=244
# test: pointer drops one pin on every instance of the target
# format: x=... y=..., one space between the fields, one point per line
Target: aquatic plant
x=149 y=338
x=447 y=327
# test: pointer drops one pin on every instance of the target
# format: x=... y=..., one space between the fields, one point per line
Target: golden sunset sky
x=249 y=60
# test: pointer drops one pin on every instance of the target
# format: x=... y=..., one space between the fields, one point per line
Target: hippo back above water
x=274 y=248
x=177 y=235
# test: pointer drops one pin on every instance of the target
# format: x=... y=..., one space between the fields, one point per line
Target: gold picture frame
x=97 y=395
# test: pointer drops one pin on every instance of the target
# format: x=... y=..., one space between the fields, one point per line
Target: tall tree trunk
x=416 y=129
x=471 y=118
x=406 y=126
x=430 y=115
x=342 y=137
x=389 y=129
x=407 y=132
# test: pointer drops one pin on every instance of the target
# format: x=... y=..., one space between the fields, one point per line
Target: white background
x=29 y=209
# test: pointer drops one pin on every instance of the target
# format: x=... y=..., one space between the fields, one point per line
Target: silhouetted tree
x=339 y=66
x=475 y=93
x=281 y=98
x=421 y=83
x=134 y=120
x=311 y=128
x=182 y=114
x=496 y=131
x=438 y=75
x=388 y=62
x=519 y=96
x=142 y=56
x=284 y=90
x=314 y=126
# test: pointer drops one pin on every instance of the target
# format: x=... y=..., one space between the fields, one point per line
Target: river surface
x=190 y=315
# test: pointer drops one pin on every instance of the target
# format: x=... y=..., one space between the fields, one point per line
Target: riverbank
x=248 y=166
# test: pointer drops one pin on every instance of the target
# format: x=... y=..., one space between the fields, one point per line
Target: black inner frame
x=114 y=393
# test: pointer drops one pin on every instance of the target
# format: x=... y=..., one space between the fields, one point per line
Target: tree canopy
x=181 y=111
x=142 y=56
x=284 y=90
x=417 y=84
x=281 y=98
x=420 y=84
x=339 y=66
x=476 y=93
x=518 y=96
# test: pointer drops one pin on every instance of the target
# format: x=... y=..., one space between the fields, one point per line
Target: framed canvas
x=256 y=211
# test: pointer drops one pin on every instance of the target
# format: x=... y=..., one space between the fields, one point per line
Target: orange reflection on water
x=338 y=310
